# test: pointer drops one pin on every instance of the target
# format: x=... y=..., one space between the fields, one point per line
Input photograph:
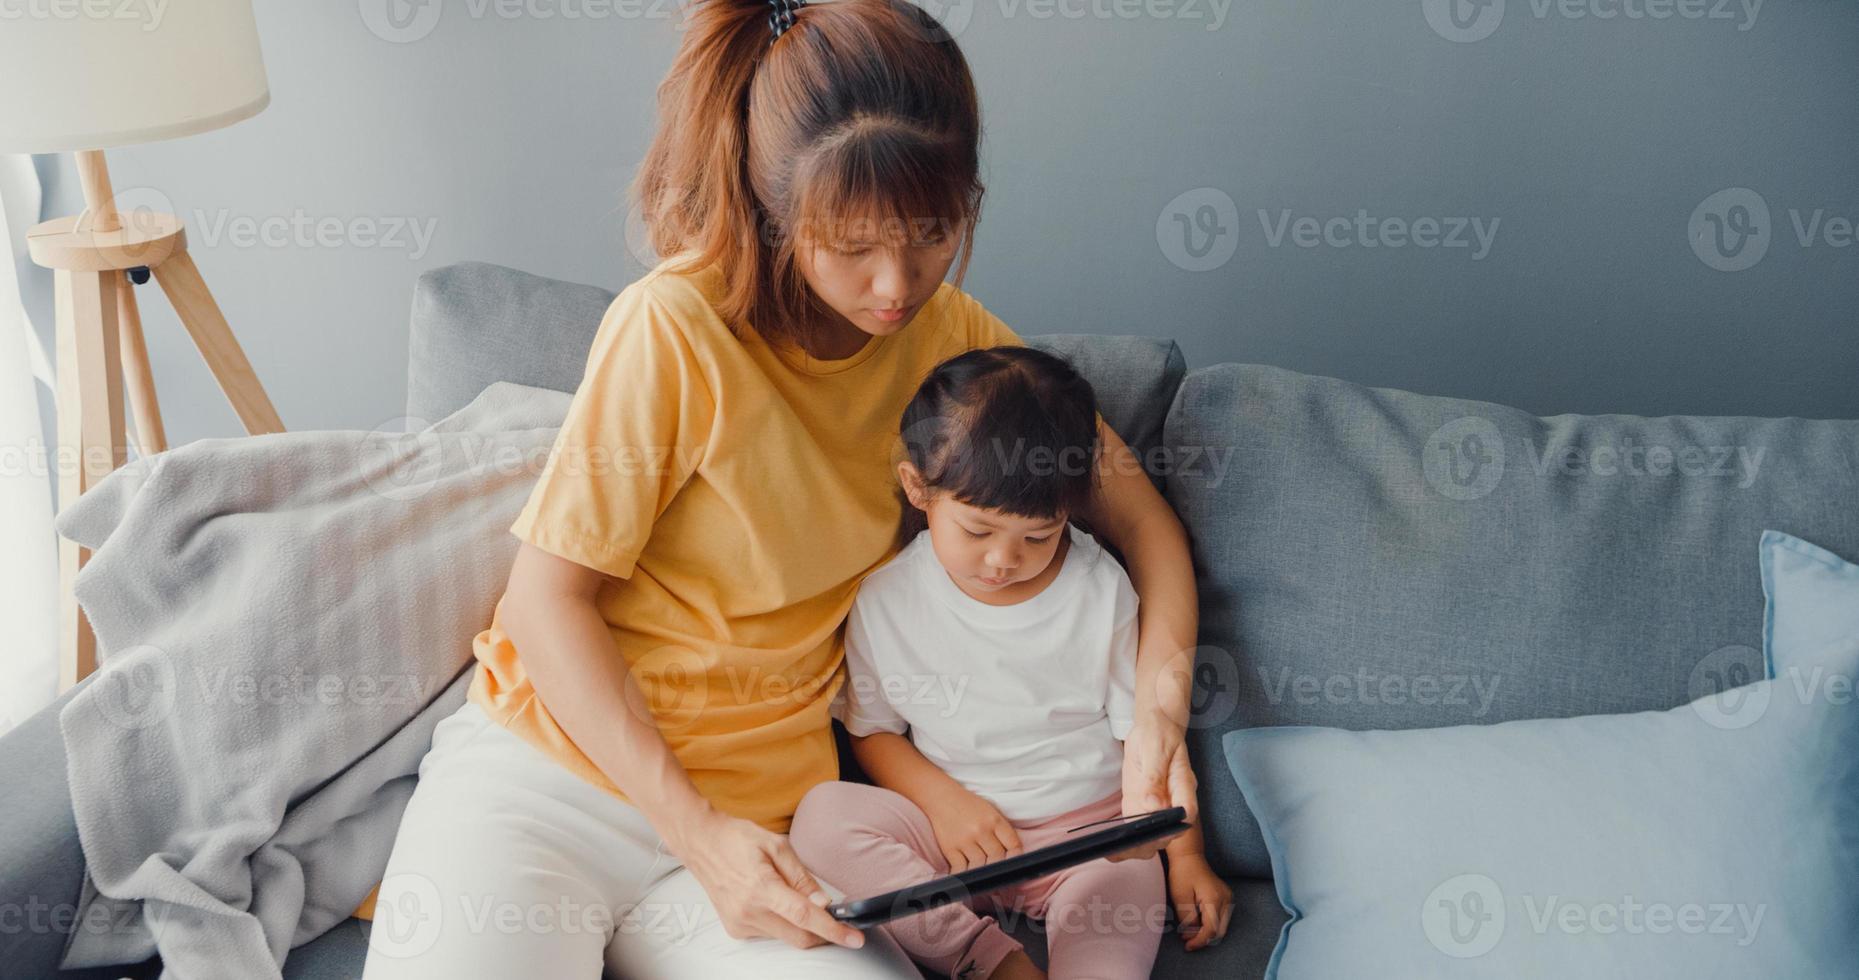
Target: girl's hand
x=757 y=883
x=1156 y=776
x=1203 y=903
x=970 y=831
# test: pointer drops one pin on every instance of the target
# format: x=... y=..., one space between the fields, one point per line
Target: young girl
x=1002 y=640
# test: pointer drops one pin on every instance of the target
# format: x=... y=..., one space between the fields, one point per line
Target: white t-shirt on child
x=1027 y=704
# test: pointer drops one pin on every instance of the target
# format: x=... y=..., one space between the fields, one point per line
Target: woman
x=618 y=793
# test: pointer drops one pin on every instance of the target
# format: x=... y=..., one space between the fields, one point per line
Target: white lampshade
x=88 y=76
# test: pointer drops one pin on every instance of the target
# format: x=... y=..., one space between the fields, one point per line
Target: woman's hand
x=1156 y=771
x=970 y=831
x=1156 y=776
x=1203 y=903
x=757 y=883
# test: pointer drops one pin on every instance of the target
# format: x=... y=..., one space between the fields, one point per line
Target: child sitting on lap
x=1002 y=640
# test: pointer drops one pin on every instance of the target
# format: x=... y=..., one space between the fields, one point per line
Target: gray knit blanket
x=281 y=622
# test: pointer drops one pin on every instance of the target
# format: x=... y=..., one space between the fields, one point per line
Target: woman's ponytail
x=693 y=186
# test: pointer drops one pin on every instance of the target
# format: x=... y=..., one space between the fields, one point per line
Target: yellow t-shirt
x=738 y=495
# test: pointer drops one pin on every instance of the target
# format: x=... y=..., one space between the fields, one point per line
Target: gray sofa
x=1366 y=558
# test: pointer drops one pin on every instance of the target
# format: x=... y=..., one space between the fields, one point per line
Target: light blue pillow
x=1813 y=602
x=1719 y=839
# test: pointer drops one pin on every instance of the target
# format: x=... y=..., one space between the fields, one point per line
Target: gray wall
x=1588 y=142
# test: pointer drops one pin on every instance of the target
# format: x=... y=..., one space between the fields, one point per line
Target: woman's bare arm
x=752 y=875
x=567 y=648
x=1129 y=513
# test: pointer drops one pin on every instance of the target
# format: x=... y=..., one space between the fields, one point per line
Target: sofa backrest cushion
x=475 y=323
x=1375 y=559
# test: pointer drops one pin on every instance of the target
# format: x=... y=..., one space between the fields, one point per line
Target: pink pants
x=1103 y=919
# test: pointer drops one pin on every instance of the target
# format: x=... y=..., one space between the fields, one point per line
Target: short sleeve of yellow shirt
x=736 y=494
x=634 y=433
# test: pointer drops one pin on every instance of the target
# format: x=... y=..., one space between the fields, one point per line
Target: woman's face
x=877 y=278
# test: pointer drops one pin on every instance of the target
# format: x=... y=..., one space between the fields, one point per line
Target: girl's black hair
x=1006 y=428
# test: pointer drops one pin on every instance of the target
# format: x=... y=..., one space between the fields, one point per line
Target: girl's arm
x=1187 y=844
x=969 y=830
x=895 y=764
x=1203 y=903
x=1131 y=515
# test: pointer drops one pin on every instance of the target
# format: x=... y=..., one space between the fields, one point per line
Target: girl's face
x=993 y=556
x=875 y=277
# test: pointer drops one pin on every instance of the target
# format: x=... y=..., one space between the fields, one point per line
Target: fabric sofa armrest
x=41 y=864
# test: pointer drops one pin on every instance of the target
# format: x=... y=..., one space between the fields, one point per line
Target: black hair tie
x=782 y=17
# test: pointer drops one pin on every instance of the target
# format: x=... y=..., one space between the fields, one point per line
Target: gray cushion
x=475 y=323
x=1362 y=567
x=41 y=866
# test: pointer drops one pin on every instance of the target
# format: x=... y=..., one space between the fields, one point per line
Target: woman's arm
x=1131 y=515
x=752 y=875
x=567 y=649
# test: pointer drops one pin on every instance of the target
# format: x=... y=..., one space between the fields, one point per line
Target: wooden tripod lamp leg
x=180 y=279
x=151 y=438
x=101 y=350
x=90 y=435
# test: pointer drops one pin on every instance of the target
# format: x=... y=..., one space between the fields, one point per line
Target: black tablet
x=864 y=913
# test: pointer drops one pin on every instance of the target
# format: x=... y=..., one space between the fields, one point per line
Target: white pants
x=507 y=865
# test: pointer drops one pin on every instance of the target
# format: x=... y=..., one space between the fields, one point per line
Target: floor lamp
x=91 y=78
